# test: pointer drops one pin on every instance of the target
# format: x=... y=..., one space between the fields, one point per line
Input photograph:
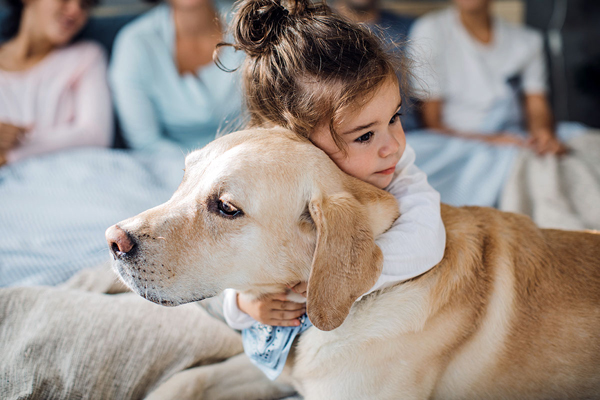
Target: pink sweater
x=64 y=100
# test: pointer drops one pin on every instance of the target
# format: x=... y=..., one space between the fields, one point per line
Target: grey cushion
x=59 y=343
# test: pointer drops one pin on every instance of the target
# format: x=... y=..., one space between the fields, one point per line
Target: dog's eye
x=228 y=209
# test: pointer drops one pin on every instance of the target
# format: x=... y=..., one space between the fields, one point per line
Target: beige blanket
x=558 y=192
x=76 y=342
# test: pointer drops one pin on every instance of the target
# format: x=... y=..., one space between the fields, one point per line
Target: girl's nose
x=392 y=144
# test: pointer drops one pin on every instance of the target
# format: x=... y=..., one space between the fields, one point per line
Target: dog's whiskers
x=146 y=289
x=106 y=250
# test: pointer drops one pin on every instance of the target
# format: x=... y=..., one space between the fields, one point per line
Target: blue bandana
x=268 y=346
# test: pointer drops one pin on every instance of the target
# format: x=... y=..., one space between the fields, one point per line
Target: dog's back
x=535 y=308
x=555 y=333
x=511 y=312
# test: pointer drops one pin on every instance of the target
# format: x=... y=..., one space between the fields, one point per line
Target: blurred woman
x=482 y=82
x=53 y=94
x=483 y=78
x=168 y=92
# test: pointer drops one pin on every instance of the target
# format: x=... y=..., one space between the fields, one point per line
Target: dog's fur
x=511 y=312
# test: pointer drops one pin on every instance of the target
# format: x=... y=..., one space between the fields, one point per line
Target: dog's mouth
x=150 y=291
x=157 y=300
x=165 y=302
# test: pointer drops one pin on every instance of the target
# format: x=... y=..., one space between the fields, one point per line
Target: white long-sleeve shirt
x=479 y=84
x=413 y=245
x=64 y=100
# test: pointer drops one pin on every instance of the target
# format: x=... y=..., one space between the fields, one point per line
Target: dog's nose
x=119 y=241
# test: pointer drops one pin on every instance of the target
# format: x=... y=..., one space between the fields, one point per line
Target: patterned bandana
x=268 y=346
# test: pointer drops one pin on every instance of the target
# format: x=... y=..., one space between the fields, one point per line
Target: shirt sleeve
x=130 y=78
x=426 y=58
x=93 y=119
x=535 y=75
x=235 y=318
x=417 y=239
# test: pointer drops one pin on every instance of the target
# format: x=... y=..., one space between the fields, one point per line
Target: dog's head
x=258 y=210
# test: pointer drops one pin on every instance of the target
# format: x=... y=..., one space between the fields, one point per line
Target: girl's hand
x=544 y=142
x=273 y=310
x=10 y=136
x=299 y=288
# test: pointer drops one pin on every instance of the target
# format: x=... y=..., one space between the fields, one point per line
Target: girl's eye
x=364 y=138
x=396 y=117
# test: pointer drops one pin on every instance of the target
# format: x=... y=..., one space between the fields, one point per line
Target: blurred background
x=571 y=31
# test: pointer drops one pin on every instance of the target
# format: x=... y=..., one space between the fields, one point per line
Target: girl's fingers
x=288 y=306
x=277 y=322
x=287 y=315
x=286 y=318
x=300 y=287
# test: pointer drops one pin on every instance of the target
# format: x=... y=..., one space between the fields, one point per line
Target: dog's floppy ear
x=346 y=262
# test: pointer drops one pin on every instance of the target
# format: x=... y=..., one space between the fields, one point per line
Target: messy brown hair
x=306 y=65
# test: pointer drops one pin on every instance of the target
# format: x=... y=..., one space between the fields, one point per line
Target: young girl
x=331 y=81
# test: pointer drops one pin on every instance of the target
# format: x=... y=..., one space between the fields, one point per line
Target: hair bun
x=259 y=24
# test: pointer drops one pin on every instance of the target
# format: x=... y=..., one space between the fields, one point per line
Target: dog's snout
x=119 y=241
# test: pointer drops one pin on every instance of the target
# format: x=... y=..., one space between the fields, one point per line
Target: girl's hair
x=11 y=23
x=306 y=65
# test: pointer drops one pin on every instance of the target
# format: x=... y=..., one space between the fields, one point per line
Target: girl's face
x=374 y=137
x=58 y=21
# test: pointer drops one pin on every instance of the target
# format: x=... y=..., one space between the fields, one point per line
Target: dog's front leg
x=234 y=379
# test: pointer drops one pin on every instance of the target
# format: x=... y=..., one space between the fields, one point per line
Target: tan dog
x=511 y=312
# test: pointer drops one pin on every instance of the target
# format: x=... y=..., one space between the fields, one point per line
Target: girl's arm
x=93 y=123
x=417 y=239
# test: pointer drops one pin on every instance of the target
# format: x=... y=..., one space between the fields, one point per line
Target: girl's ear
x=346 y=262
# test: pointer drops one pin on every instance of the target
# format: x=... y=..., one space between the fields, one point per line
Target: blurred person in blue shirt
x=169 y=94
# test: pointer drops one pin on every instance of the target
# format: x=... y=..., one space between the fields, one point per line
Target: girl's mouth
x=387 y=171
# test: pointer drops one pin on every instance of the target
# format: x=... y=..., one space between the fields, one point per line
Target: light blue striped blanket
x=54 y=209
x=470 y=172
